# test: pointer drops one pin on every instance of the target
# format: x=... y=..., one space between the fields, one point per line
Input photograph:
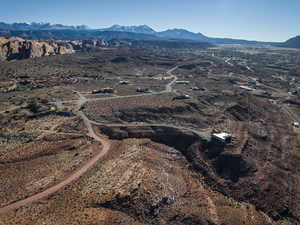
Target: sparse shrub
x=33 y=106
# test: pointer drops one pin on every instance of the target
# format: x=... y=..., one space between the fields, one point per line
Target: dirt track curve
x=74 y=176
x=104 y=142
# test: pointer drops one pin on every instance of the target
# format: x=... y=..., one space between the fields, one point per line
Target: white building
x=182 y=82
x=222 y=137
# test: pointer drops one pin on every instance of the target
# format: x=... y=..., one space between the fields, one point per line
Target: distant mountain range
x=142 y=29
x=177 y=34
x=291 y=43
x=45 y=31
x=39 y=26
x=168 y=34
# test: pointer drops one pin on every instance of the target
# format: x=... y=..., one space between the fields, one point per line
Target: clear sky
x=265 y=20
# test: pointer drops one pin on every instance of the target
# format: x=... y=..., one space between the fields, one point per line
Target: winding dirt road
x=104 y=142
x=75 y=175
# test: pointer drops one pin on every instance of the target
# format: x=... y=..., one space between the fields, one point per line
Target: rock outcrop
x=17 y=48
x=86 y=45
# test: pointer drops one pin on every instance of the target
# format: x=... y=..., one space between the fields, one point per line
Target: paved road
x=104 y=142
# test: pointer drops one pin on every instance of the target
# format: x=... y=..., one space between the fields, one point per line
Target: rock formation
x=86 y=45
x=17 y=48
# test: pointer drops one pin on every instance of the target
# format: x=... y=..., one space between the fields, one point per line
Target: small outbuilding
x=103 y=91
x=198 y=89
x=182 y=82
x=142 y=90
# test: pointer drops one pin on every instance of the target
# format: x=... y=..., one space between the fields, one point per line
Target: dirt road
x=74 y=176
x=104 y=142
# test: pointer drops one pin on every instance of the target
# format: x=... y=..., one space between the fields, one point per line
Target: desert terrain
x=125 y=136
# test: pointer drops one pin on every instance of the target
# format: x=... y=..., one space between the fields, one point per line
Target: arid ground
x=70 y=156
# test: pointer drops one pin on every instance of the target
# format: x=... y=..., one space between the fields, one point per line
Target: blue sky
x=266 y=20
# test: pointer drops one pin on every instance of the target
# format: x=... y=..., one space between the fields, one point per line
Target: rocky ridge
x=15 y=48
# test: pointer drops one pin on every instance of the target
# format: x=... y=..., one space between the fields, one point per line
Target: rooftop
x=222 y=136
x=247 y=88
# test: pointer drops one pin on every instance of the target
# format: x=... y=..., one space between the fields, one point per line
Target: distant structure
x=181 y=97
x=253 y=82
x=103 y=91
x=224 y=138
x=142 y=90
x=124 y=82
x=247 y=88
x=164 y=78
x=198 y=89
x=182 y=82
